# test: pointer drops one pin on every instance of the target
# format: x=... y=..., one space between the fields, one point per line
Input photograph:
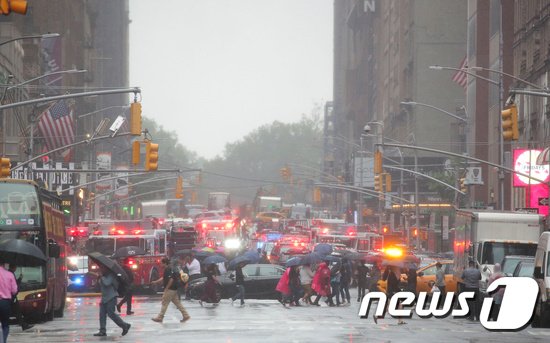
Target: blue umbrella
x=323 y=249
x=252 y=255
x=312 y=258
x=239 y=259
x=331 y=258
x=295 y=261
x=214 y=259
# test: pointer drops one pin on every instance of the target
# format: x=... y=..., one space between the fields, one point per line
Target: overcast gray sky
x=214 y=70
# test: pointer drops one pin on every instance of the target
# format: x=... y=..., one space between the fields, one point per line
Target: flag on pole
x=460 y=76
x=56 y=125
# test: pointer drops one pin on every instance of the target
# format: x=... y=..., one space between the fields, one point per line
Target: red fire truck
x=147 y=267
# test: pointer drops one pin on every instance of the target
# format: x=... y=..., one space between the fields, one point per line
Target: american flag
x=460 y=76
x=56 y=125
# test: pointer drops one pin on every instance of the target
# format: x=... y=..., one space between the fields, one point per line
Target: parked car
x=510 y=262
x=260 y=281
x=425 y=275
x=524 y=269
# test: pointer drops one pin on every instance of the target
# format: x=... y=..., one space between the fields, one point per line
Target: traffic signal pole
x=448 y=153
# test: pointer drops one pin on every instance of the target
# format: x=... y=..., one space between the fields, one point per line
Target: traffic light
x=415 y=232
x=388 y=182
x=135 y=118
x=135 y=152
x=5 y=166
x=151 y=156
x=17 y=6
x=378 y=162
x=385 y=229
x=463 y=187
x=510 y=131
x=179 y=188
x=317 y=195
x=378 y=183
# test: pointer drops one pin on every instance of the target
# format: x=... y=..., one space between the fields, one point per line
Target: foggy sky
x=214 y=70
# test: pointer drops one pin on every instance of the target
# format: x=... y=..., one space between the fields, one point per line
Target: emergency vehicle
x=146 y=268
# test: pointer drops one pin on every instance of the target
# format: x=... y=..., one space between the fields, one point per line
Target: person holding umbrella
x=391 y=275
x=239 y=282
x=129 y=292
x=209 y=294
x=306 y=277
x=109 y=285
x=321 y=283
x=16 y=310
x=8 y=289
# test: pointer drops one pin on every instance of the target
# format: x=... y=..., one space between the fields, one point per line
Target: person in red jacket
x=321 y=283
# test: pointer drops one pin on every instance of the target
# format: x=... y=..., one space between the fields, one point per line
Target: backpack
x=124 y=285
x=184 y=277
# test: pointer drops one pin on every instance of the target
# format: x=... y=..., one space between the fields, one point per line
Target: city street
x=260 y=320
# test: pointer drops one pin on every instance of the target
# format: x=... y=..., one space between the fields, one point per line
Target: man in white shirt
x=194 y=267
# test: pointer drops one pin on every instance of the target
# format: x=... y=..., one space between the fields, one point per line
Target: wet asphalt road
x=259 y=321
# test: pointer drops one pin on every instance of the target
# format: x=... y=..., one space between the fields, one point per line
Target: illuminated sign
x=525 y=161
x=536 y=193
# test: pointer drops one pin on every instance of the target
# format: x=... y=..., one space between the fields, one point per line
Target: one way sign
x=543 y=201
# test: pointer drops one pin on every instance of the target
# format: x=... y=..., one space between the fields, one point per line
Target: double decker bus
x=140 y=234
x=34 y=215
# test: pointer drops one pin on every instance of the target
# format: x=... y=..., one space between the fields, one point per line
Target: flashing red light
x=204 y=225
x=137 y=231
x=72 y=232
x=325 y=231
x=352 y=233
x=98 y=232
x=295 y=243
x=229 y=225
x=115 y=231
x=209 y=244
x=130 y=262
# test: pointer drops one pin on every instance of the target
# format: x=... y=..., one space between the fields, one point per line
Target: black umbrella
x=214 y=259
x=129 y=251
x=21 y=253
x=239 y=259
x=295 y=261
x=353 y=255
x=110 y=264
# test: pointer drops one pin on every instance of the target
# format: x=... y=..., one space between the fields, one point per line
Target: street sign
x=527 y=210
x=543 y=201
x=473 y=176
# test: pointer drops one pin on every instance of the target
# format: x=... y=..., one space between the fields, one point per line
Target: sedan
x=260 y=281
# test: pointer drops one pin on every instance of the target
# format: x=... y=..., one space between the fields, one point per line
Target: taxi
x=269 y=217
x=425 y=275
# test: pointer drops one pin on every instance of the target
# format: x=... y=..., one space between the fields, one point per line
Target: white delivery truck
x=486 y=237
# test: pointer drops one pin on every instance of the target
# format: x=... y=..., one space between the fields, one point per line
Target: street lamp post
x=381 y=149
x=45 y=35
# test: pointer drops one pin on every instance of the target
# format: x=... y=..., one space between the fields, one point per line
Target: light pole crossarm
x=414 y=103
x=465 y=71
x=360 y=191
x=466 y=158
x=134 y=90
x=510 y=76
x=428 y=177
x=530 y=92
x=134 y=184
x=20 y=165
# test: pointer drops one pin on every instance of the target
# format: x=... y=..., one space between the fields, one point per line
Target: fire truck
x=221 y=233
x=146 y=268
x=180 y=234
